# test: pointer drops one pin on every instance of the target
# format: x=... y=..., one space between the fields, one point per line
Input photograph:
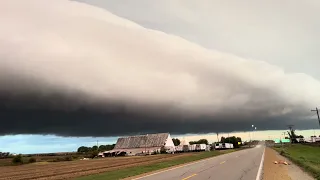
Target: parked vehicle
x=223 y=146
x=186 y=148
x=201 y=147
x=192 y=147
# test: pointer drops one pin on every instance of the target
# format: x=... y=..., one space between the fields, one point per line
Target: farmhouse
x=142 y=144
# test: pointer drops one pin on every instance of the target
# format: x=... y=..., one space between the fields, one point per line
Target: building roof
x=149 y=140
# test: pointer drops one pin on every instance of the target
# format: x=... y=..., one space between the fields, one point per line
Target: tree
x=17 y=159
x=83 y=149
x=234 y=140
x=102 y=148
x=223 y=139
x=94 y=148
x=293 y=136
x=201 y=141
x=89 y=150
x=176 y=141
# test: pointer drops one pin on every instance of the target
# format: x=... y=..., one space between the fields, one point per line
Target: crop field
x=72 y=169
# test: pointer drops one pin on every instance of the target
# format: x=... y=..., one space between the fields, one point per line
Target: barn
x=142 y=144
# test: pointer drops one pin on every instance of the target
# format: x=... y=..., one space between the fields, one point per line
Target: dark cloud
x=90 y=73
x=30 y=115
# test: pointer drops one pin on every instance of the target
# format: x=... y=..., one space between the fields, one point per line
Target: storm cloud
x=72 y=69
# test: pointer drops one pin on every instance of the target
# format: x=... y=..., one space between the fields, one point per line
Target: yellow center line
x=222 y=162
x=189 y=177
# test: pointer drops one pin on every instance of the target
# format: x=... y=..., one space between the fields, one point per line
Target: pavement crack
x=184 y=173
x=207 y=168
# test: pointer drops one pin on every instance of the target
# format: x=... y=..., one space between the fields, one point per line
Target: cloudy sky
x=102 y=68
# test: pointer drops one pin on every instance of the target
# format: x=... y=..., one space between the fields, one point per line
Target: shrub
x=32 y=160
x=17 y=160
x=163 y=150
x=282 y=152
x=94 y=154
x=68 y=158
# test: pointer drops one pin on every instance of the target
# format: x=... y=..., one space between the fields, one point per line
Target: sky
x=96 y=68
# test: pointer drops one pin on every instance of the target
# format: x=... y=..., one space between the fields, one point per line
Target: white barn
x=146 y=144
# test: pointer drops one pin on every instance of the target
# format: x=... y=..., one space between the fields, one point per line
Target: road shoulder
x=294 y=171
x=272 y=171
x=280 y=171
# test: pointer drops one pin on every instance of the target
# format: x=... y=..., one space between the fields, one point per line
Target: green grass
x=134 y=171
x=305 y=156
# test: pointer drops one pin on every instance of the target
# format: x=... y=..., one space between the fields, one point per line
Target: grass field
x=305 y=156
x=141 y=169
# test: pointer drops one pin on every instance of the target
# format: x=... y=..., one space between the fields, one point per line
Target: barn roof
x=149 y=140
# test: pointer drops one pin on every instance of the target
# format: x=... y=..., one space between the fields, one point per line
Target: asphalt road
x=240 y=165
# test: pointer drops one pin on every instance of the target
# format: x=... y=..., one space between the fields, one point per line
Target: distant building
x=142 y=144
x=314 y=139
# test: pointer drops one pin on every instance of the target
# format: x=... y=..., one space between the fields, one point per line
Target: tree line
x=201 y=141
x=84 y=149
x=5 y=155
x=177 y=141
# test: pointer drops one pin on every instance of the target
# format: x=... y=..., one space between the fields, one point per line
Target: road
x=239 y=165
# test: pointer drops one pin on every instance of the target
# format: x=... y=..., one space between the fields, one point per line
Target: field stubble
x=67 y=170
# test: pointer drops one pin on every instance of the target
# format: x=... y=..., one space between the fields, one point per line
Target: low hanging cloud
x=72 y=69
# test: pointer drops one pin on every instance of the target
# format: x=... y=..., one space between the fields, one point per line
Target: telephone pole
x=217 y=137
x=317 y=111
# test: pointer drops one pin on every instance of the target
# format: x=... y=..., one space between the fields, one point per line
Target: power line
x=317 y=111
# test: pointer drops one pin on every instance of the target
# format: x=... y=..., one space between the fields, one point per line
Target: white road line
x=261 y=166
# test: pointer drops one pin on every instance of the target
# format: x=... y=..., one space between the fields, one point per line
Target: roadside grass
x=305 y=156
x=138 y=170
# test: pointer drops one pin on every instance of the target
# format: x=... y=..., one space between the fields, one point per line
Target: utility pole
x=317 y=111
x=284 y=134
x=217 y=137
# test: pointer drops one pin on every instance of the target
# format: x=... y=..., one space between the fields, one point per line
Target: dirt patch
x=67 y=170
x=271 y=170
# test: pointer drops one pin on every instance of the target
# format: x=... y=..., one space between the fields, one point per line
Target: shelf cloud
x=71 y=69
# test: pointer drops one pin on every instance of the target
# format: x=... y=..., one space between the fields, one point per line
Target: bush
x=94 y=154
x=163 y=150
x=17 y=160
x=68 y=158
x=32 y=160
x=282 y=152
